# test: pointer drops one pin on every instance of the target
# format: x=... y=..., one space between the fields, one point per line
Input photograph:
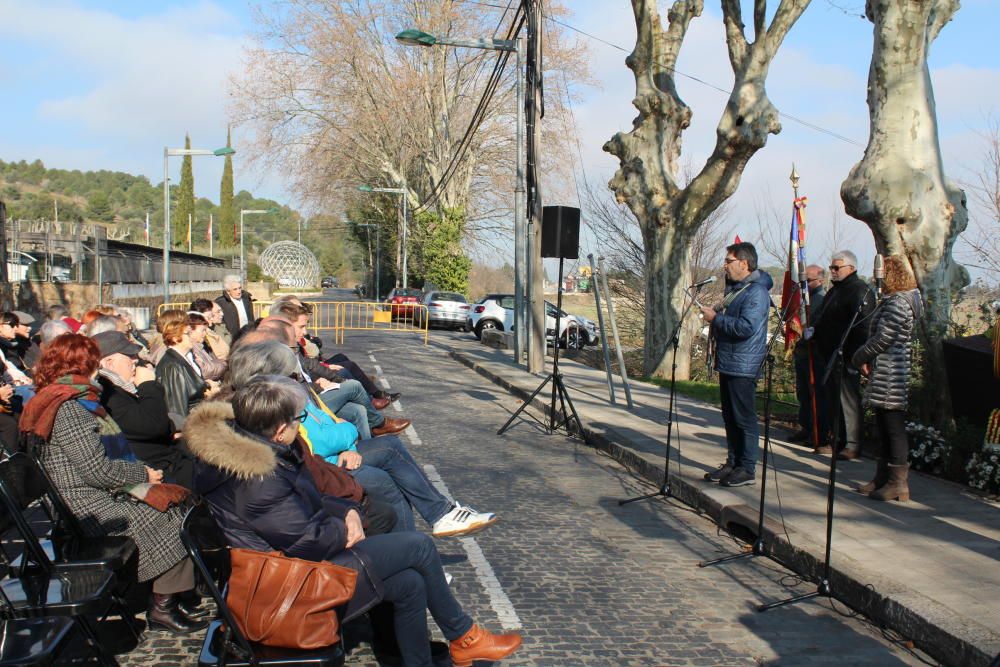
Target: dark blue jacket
x=264 y=498
x=740 y=329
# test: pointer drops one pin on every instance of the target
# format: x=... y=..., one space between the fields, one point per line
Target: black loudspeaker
x=561 y=232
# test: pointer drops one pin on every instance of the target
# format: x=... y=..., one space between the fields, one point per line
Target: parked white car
x=496 y=311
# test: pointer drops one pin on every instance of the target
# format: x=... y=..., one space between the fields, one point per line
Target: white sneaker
x=462 y=521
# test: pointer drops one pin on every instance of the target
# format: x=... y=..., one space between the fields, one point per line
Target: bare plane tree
x=899 y=189
x=670 y=214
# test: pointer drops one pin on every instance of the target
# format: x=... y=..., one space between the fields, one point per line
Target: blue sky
x=105 y=85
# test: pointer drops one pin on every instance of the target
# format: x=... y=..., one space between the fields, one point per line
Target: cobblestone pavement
x=591 y=583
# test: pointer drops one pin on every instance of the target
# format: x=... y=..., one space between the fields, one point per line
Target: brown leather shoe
x=849 y=453
x=390 y=426
x=824 y=450
x=380 y=403
x=481 y=644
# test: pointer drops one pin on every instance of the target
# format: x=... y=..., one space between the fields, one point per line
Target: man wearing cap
x=26 y=345
x=137 y=403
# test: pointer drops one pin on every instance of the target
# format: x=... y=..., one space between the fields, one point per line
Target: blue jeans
x=389 y=473
x=410 y=568
x=740 y=418
x=351 y=391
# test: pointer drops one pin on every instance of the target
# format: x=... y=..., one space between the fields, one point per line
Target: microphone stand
x=664 y=489
x=823 y=588
x=757 y=549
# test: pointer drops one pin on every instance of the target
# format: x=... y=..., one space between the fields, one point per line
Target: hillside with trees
x=121 y=202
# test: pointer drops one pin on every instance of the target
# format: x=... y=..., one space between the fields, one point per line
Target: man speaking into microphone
x=739 y=327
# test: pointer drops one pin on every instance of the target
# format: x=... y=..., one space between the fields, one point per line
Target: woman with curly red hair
x=90 y=463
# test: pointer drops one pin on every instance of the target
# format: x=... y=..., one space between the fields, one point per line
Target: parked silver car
x=446 y=309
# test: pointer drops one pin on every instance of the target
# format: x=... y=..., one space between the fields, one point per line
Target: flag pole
x=804 y=304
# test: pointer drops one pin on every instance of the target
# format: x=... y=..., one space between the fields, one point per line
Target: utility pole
x=532 y=109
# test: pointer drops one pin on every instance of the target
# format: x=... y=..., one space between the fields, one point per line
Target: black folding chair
x=31 y=642
x=224 y=643
x=43 y=588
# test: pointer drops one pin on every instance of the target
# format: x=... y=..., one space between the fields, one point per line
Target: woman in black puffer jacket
x=885 y=359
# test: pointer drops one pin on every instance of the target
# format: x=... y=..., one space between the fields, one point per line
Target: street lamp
x=522 y=267
x=402 y=193
x=378 y=255
x=167 y=152
x=244 y=212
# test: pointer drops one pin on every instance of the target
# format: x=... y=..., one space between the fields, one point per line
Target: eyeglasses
x=834 y=267
x=302 y=417
x=730 y=260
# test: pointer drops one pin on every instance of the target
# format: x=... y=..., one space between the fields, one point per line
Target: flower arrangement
x=929 y=451
x=984 y=470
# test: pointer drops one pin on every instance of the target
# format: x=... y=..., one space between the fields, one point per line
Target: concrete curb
x=933 y=627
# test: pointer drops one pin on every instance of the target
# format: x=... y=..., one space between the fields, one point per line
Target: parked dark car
x=329 y=282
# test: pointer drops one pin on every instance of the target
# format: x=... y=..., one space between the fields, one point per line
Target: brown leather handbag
x=287 y=602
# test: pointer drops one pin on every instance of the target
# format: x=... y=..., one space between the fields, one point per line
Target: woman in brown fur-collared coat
x=73 y=436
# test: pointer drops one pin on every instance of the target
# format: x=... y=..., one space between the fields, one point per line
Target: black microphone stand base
x=756 y=549
x=663 y=492
x=823 y=590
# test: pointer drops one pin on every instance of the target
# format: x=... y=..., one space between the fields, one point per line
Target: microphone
x=706 y=281
x=878 y=273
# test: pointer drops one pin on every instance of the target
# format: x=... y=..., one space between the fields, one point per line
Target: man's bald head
x=284 y=331
x=815 y=272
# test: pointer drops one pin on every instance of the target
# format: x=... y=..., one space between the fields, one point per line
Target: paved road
x=588 y=582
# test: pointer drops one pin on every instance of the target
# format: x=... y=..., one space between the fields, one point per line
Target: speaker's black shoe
x=738 y=477
x=719 y=473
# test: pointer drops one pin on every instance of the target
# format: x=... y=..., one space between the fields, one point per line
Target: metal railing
x=343 y=316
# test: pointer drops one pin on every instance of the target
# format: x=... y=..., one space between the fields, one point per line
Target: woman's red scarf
x=40 y=413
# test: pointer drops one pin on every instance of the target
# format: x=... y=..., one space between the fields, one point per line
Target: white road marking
x=501 y=604
x=499 y=601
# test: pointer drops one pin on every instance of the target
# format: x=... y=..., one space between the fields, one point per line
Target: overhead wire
x=674 y=70
x=478 y=115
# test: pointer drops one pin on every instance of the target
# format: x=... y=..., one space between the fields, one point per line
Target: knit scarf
x=39 y=414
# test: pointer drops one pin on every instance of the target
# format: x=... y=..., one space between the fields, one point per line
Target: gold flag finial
x=794 y=178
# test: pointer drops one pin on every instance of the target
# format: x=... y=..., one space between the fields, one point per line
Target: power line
x=478 y=115
x=674 y=70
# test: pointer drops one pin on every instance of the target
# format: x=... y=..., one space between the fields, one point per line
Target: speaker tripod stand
x=568 y=416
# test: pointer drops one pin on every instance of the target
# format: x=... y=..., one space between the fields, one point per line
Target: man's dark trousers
x=847 y=417
x=740 y=417
x=803 y=394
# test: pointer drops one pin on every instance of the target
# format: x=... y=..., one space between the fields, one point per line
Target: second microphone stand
x=757 y=549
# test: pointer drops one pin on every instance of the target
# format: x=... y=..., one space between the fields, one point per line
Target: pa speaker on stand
x=560 y=238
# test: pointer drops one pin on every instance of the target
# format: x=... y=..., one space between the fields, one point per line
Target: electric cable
x=674 y=70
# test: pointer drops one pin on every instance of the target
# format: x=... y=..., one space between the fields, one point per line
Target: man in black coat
x=849 y=296
x=237 y=305
x=137 y=403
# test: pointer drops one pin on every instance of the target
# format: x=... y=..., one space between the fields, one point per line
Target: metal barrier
x=342 y=316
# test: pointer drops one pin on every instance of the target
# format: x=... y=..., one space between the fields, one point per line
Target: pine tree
x=185 y=201
x=227 y=216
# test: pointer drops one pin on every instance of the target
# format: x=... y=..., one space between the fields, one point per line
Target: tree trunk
x=646 y=181
x=899 y=189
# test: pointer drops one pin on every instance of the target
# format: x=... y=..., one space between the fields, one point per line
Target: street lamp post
x=522 y=343
x=167 y=152
x=378 y=256
x=402 y=193
x=244 y=212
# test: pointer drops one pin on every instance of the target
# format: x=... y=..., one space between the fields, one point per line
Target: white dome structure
x=291 y=264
